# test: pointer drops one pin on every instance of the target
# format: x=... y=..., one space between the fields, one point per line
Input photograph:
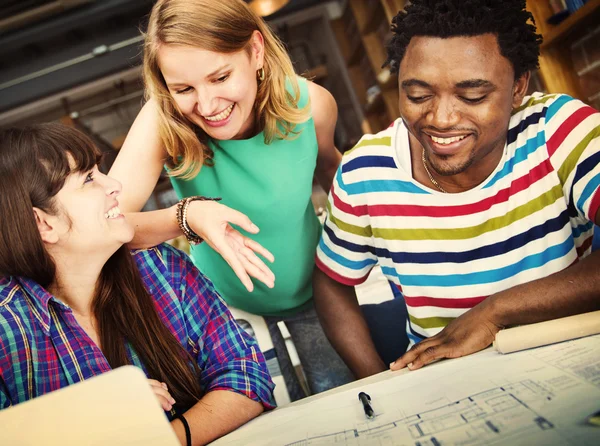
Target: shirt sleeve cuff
x=267 y=403
x=594 y=205
x=257 y=388
x=337 y=277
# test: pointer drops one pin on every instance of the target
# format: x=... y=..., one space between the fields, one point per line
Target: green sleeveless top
x=271 y=184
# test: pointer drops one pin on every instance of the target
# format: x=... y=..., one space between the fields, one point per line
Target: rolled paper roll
x=548 y=332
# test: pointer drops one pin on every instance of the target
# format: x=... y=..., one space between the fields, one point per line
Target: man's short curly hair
x=507 y=19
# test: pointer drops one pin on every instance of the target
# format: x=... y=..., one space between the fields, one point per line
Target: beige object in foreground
x=548 y=332
x=115 y=408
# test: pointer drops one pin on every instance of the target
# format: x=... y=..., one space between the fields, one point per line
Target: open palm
x=212 y=221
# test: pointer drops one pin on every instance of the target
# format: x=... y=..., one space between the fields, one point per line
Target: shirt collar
x=40 y=299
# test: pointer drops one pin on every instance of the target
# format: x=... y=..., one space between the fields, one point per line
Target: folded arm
x=234 y=374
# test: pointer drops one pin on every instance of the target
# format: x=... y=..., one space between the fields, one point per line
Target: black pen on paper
x=366 y=402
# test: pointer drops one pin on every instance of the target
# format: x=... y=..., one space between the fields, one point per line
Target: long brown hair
x=222 y=26
x=34 y=164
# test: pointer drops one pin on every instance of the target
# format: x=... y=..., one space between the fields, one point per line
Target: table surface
x=537 y=396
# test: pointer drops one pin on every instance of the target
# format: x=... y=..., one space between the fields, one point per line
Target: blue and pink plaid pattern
x=43 y=348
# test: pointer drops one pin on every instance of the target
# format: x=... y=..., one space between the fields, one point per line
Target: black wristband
x=186 y=426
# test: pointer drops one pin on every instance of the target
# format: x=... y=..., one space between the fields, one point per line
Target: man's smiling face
x=456 y=98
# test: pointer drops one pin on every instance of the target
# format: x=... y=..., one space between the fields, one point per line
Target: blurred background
x=78 y=61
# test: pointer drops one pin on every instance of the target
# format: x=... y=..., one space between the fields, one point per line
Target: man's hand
x=162 y=394
x=469 y=333
x=211 y=221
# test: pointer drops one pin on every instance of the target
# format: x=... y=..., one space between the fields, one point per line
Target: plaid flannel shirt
x=43 y=348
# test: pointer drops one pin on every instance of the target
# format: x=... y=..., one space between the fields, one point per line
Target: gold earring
x=260 y=74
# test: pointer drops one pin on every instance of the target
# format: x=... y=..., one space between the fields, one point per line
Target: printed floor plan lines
x=537 y=396
x=491 y=416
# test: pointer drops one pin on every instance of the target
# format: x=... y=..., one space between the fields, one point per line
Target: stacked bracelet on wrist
x=182 y=208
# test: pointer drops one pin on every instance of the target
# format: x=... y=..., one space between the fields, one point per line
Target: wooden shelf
x=374 y=17
x=392 y=7
x=375 y=50
x=585 y=14
x=556 y=65
x=376 y=105
x=386 y=79
x=365 y=54
x=355 y=52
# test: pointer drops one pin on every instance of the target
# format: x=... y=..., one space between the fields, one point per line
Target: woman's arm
x=215 y=415
x=140 y=160
x=138 y=167
x=233 y=373
x=324 y=112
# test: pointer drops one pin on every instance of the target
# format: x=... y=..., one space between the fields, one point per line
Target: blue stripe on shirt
x=556 y=105
x=383 y=186
x=484 y=277
x=369 y=161
x=520 y=155
x=354 y=247
x=491 y=250
x=514 y=133
x=582 y=229
x=351 y=264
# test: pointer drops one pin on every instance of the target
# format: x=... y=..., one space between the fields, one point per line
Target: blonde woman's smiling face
x=215 y=91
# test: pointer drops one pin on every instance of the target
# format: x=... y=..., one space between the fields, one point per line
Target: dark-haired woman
x=75 y=303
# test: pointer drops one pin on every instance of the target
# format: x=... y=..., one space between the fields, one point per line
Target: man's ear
x=520 y=89
x=45 y=225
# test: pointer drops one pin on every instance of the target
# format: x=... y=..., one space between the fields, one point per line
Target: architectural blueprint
x=537 y=396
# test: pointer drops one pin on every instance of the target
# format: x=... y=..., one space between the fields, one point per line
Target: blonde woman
x=229 y=118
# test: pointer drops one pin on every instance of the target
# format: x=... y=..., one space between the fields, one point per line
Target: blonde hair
x=223 y=26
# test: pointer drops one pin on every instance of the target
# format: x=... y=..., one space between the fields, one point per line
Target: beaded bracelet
x=182 y=207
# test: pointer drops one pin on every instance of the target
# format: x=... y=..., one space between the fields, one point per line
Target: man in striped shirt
x=478 y=203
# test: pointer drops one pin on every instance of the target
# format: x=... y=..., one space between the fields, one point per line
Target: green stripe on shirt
x=572 y=160
x=382 y=141
x=532 y=206
x=431 y=322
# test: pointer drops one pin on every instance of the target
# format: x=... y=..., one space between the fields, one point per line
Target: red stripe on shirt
x=502 y=196
x=566 y=127
x=594 y=205
x=424 y=301
x=584 y=246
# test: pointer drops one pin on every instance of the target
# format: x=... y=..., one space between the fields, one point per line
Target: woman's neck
x=75 y=283
x=250 y=129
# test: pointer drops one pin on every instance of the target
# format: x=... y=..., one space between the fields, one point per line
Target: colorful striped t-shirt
x=445 y=253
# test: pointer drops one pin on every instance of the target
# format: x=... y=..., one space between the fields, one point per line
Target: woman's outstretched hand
x=212 y=221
